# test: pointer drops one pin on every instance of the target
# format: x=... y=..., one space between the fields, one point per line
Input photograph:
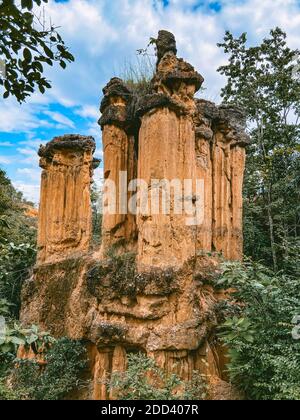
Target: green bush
x=6 y=394
x=64 y=364
x=15 y=264
x=264 y=356
x=13 y=336
x=144 y=380
x=17 y=243
x=5 y=308
x=6 y=366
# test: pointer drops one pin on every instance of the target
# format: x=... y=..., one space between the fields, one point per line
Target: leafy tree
x=26 y=45
x=17 y=243
x=264 y=355
x=14 y=225
x=263 y=81
x=15 y=264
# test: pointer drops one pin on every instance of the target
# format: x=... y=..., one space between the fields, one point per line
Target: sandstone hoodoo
x=65 y=210
x=150 y=286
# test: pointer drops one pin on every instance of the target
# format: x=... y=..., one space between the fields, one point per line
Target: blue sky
x=103 y=35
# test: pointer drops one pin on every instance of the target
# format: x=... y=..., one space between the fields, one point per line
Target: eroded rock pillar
x=118 y=225
x=229 y=156
x=65 y=208
x=220 y=157
x=204 y=169
x=167 y=161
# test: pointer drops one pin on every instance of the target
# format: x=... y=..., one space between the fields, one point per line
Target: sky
x=104 y=35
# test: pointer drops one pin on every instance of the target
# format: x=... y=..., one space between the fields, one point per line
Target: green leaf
x=27 y=55
x=27 y=4
x=48 y=52
x=18 y=341
x=6 y=348
x=42 y=89
x=32 y=339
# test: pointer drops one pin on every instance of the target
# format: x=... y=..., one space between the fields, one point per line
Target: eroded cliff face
x=150 y=288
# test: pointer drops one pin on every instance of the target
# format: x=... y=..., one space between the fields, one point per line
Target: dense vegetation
x=262 y=314
x=52 y=379
x=144 y=380
x=262 y=80
x=261 y=331
x=17 y=243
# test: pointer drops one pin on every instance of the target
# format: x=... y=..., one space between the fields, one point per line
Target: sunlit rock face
x=65 y=210
x=150 y=286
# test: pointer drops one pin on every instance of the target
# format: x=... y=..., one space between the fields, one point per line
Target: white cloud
x=99 y=154
x=32 y=142
x=103 y=34
x=94 y=129
x=5 y=144
x=29 y=156
x=20 y=118
x=109 y=32
x=60 y=118
x=98 y=177
x=31 y=191
x=5 y=160
x=33 y=174
x=88 y=111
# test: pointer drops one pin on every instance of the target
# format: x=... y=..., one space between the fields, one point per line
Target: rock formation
x=150 y=288
x=65 y=209
x=120 y=159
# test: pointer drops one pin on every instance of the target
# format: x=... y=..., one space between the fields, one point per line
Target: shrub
x=6 y=394
x=15 y=264
x=13 y=336
x=64 y=363
x=5 y=307
x=144 y=380
x=6 y=364
x=264 y=357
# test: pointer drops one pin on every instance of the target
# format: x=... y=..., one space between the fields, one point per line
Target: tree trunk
x=271 y=227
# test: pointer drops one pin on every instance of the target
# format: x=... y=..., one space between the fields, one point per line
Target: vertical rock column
x=65 y=208
x=118 y=226
x=229 y=156
x=204 y=138
x=167 y=152
x=220 y=155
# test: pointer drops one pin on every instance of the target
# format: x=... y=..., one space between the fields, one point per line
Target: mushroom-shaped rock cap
x=115 y=88
x=172 y=70
x=165 y=42
x=69 y=141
